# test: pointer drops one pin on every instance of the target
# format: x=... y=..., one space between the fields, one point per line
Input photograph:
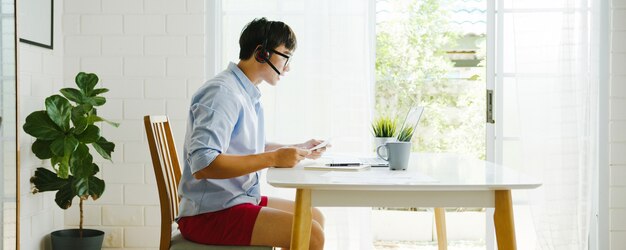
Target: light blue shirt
x=225 y=117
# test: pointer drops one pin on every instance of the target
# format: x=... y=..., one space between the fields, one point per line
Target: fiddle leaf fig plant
x=63 y=132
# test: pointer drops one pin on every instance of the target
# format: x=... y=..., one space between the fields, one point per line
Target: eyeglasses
x=283 y=55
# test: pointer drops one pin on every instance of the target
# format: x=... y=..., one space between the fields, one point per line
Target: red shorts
x=231 y=226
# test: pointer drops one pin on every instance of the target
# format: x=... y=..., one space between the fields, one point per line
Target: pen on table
x=342 y=164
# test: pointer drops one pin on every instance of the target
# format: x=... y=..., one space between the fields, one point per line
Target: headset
x=263 y=54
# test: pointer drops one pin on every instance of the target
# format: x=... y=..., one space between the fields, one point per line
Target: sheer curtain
x=549 y=62
x=327 y=93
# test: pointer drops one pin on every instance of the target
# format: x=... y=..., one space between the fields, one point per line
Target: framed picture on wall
x=35 y=22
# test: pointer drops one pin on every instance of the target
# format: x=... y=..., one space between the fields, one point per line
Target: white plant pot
x=381 y=141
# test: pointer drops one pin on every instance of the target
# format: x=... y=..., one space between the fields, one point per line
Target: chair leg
x=440 y=222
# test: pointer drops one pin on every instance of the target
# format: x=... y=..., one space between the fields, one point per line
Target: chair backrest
x=166 y=170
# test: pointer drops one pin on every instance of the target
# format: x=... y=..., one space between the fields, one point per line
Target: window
x=360 y=60
x=431 y=53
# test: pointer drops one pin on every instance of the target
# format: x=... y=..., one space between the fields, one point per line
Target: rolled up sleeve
x=213 y=120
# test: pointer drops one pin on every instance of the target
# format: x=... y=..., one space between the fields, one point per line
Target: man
x=225 y=149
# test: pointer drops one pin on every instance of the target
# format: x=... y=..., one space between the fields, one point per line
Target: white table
x=431 y=180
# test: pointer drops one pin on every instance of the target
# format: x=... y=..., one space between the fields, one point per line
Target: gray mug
x=397 y=154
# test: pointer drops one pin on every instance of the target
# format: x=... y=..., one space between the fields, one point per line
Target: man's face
x=281 y=62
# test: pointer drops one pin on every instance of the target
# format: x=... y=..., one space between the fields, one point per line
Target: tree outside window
x=431 y=53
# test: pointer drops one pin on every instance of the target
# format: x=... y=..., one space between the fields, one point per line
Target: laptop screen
x=413 y=118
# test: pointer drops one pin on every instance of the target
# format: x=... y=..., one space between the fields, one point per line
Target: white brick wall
x=147 y=52
x=150 y=54
x=40 y=75
x=617 y=127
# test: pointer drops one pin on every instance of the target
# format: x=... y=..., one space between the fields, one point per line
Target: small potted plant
x=63 y=132
x=384 y=130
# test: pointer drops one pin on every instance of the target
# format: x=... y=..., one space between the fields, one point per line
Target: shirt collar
x=248 y=86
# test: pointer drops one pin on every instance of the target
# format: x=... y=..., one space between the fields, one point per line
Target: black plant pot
x=70 y=239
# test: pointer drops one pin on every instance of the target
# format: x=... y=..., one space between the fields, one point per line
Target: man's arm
x=271 y=146
x=228 y=166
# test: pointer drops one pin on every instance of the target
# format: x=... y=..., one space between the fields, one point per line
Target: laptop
x=346 y=161
x=413 y=118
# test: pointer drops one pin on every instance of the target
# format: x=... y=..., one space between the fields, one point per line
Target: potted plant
x=384 y=130
x=63 y=132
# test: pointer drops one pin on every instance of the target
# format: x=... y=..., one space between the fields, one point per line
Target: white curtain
x=549 y=63
x=327 y=93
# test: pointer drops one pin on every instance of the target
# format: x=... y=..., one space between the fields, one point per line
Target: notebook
x=327 y=163
x=344 y=162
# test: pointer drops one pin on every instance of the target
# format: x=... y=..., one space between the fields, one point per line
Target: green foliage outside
x=412 y=68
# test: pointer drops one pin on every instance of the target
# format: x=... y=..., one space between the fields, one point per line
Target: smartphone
x=321 y=145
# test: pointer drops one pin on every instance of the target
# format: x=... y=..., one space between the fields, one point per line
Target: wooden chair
x=167 y=173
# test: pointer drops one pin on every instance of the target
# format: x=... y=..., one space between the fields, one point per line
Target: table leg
x=440 y=223
x=301 y=228
x=503 y=220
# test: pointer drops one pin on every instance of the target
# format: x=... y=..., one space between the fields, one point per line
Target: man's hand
x=288 y=157
x=315 y=153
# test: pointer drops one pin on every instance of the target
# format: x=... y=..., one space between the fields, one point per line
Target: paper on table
x=380 y=177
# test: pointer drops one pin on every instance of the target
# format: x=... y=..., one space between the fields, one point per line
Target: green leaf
x=45 y=180
x=86 y=82
x=80 y=186
x=95 y=118
x=40 y=126
x=41 y=148
x=96 y=187
x=64 y=168
x=63 y=146
x=59 y=110
x=384 y=127
x=97 y=100
x=88 y=186
x=96 y=169
x=104 y=147
x=56 y=160
x=99 y=91
x=73 y=95
x=70 y=145
x=65 y=196
x=58 y=146
x=79 y=117
x=83 y=171
x=81 y=162
x=90 y=135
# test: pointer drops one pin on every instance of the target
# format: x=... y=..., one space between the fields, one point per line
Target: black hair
x=254 y=33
